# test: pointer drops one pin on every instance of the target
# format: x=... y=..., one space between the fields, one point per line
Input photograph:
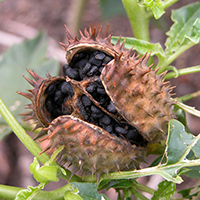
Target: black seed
x=66 y=88
x=78 y=57
x=107 y=59
x=86 y=101
x=111 y=108
x=72 y=73
x=132 y=135
x=82 y=63
x=49 y=103
x=94 y=69
x=95 y=53
x=86 y=68
x=101 y=90
x=121 y=130
x=102 y=100
x=51 y=89
x=96 y=115
x=109 y=128
x=91 y=88
x=95 y=109
x=56 y=112
x=96 y=62
x=105 y=120
x=58 y=98
x=83 y=111
x=65 y=67
x=100 y=56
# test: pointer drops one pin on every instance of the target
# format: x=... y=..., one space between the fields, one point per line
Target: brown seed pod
x=139 y=95
x=104 y=109
x=90 y=148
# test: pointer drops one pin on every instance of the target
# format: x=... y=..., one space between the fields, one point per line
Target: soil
x=51 y=15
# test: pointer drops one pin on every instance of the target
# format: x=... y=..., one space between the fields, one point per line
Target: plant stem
x=189 y=96
x=144 y=188
x=188 y=70
x=168 y=3
x=138 y=20
x=172 y=57
x=21 y=134
x=75 y=15
x=10 y=192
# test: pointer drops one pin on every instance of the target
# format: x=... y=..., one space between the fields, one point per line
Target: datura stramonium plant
x=104 y=110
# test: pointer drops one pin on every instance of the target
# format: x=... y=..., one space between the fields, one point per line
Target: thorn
x=107 y=30
x=86 y=33
x=69 y=35
x=99 y=35
x=54 y=132
x=81 y=33
x=34 y=75
x=146 y=58
x=118 y=42
x=45 y=149
x=121 y=47
x=27 y=95
x=98 y=177
x=32 y=82
x=64 y=46
x=74 y=170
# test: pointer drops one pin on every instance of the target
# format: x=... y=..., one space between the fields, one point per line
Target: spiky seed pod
x=90 y=148
x=140 y=96
x=92 y=111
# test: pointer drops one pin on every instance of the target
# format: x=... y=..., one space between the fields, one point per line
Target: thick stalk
x=138 y=20
x=21 y=134
x=10 y=192
x=75 y=15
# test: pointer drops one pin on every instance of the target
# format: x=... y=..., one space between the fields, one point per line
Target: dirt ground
x=22 y=19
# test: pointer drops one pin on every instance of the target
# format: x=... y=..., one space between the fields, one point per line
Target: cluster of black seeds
x=95 y=115
x=90 y=64
x=57 y=93
x=86 y=64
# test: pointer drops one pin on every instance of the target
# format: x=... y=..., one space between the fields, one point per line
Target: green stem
x=10 y=192
x=168 y=3
x=138 y=20
x=75 y=15
x=144 y=188
x=189 y=96
x=21 y=134
x=172 y=57
x=188 y=70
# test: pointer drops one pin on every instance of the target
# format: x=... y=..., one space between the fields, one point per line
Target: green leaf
x=165 y=191
x=72 y=193
x=142 y=46
x=185 y=27
x=29 y=193
x=189 y=193
x=88 y=191
x=31 y=54
x=120 y=184
x=45 y=173
x=193 y=172
x=178 y=141
x=157 y=7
